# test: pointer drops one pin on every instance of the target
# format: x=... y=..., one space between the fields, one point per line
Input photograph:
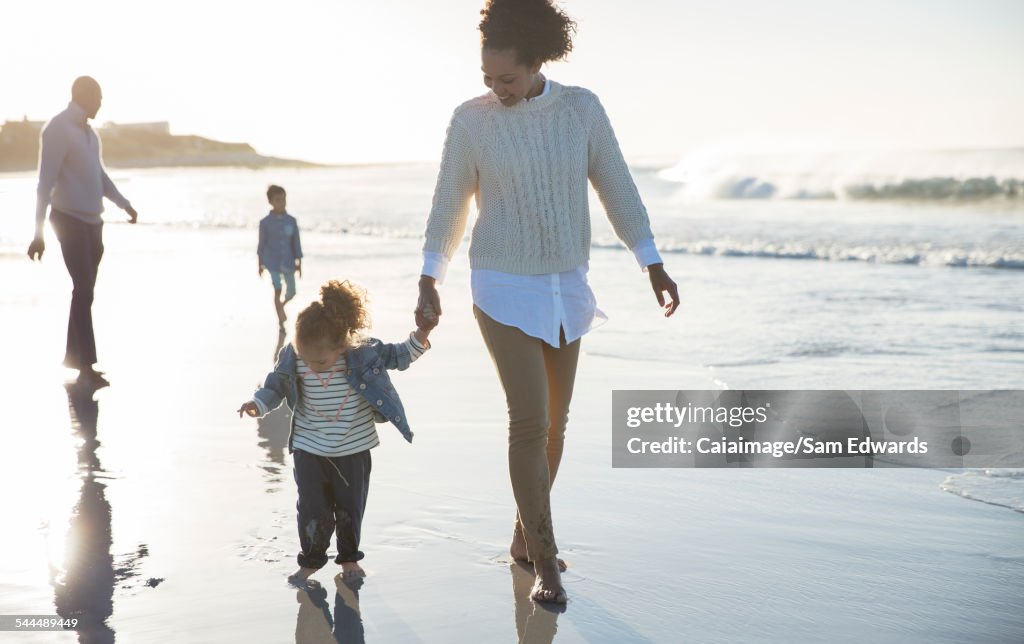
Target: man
x=72 y=182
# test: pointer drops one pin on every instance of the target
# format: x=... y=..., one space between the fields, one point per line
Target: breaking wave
x=880 y=254
x=1003 y=486
x=954 y=176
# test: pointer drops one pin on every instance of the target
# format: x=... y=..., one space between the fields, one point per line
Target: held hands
x=425 y=324
x=661 y=283
x=249 y=408
x=428 y=307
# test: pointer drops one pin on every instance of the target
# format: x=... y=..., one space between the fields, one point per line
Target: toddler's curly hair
x=339 y=317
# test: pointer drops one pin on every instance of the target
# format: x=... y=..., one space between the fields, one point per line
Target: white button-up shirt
x=542 y=306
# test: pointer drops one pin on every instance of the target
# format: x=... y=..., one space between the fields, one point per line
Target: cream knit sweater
x=528 y=167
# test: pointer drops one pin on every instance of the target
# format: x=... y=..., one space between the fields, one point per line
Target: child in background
x=335 y=381
x=279 y=249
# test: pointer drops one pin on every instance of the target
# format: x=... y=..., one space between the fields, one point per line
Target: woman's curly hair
x=338 y=317
x=536 y=29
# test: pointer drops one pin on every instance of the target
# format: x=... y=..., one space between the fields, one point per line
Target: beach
x=153 y=508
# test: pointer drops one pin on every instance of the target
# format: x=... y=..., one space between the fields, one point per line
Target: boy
x=279 y=249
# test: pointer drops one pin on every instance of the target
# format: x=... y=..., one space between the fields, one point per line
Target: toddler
x=335 y=381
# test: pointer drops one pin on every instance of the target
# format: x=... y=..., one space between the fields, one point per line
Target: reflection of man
x=83 y=582
x=72 y=182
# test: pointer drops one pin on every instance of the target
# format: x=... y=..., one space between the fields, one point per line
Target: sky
x=376 y=81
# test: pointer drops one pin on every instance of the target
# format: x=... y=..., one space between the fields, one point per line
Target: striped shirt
x=331 y=418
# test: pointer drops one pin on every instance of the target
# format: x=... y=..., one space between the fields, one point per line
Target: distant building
x=15 y=131
x=156 y=127
x=135 y=145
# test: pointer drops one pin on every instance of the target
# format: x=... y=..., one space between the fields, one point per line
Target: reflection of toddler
x=279 y=249
x=335 y=381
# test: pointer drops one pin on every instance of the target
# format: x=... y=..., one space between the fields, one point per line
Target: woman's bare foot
x=352 y=569
x=547 y=585
x=518 y=548
x=300 y=578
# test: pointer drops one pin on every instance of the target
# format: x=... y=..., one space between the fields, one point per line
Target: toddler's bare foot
x=300 y=579
x=518 y=548
x=352 y=569
x=547 y=586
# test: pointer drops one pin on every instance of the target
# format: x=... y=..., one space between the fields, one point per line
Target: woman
x=526 y=149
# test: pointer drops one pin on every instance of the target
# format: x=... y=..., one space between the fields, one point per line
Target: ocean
x=856 y=271
x=151 y=508
x=867 y=284
x=796 y=270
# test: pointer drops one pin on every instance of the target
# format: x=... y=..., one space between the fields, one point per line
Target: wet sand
x=151 y=507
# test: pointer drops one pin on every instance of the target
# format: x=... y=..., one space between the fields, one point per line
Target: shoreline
x=187 y=513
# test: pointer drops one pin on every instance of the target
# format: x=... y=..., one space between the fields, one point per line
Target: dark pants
x=82 y=247
x=328 y=505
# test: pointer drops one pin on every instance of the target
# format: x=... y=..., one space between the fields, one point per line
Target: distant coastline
x=139 y=145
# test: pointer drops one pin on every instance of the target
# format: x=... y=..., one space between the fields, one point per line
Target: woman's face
x=510 y=80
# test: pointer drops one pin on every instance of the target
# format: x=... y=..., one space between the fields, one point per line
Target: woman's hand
x=662 y=283
x=249 y=408
x=428 y=307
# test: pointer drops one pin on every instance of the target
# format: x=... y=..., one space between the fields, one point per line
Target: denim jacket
x=366 y=372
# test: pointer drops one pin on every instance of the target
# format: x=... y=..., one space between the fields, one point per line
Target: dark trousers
x=330 y=504
x=82 y=247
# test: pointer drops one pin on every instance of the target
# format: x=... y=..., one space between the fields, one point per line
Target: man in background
x=72 y=183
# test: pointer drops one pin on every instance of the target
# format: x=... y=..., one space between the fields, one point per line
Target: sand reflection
x=536 y=623
x=83 y=583
x=317 y=624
